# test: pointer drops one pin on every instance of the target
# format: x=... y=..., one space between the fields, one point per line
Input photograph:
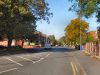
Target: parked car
x=77 y=47
x=37 y=46
x=47 y=46
x=16 y=47
x=3 y=47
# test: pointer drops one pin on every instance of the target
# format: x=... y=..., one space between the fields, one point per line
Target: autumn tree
x=18 y=17
x=88 y=38
x=62 y=41
x=86 y=8
x=98 y=32
x=74 y=29
x=52 y=39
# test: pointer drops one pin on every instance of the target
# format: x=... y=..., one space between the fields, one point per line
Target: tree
x=98 y=32
x=73 y=31
x=62 y=41
x=18 y=17
x=86 y=8
x=88 y=38
x=52 y=39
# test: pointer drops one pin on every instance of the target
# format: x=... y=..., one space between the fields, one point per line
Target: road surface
x=57 y=61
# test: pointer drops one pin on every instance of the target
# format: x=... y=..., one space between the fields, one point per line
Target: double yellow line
x=74 y=68
x=81 y=68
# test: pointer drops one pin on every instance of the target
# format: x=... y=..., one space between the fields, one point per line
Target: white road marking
x=80 y=66
x=47 y=55
x=19 y=63
x=39 y=60
x=25 y=58
x=9 y=58
x=33 y=56
x=30 y=55
x=42 y=58
x=8 y=70
x=73 y=68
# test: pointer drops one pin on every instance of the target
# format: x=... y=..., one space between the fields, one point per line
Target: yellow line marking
x=80 y=66
x=76 y=68
x=73 y=68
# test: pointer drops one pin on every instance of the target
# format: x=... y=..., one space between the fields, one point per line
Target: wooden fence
x=92 y=48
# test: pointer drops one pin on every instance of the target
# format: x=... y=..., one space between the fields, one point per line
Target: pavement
x=57 y=61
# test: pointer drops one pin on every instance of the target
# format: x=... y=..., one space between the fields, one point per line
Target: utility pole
x=80 y=17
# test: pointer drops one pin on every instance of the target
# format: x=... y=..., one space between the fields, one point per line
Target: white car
x=47 y=46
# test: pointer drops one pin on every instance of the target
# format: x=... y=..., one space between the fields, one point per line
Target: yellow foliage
x=23 y=10
x=1 y=2
x=76 y=28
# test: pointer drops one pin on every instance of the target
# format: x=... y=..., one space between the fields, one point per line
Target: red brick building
x=93 y=48
x=93 y=34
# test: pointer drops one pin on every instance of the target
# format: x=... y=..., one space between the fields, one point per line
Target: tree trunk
x=22 y=43
x=9 y=42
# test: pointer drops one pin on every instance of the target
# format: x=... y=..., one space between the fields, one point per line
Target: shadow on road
x=62 y=49
x=34 y=50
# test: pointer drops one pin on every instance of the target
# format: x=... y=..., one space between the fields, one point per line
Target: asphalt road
x=57 y=61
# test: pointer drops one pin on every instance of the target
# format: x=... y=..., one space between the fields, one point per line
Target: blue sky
x=61 y=18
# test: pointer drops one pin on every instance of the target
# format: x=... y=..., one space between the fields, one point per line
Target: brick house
x=14 y=42
x=93 y=48
x=93 y=34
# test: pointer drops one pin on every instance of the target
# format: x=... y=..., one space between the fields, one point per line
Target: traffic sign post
x=81 y=48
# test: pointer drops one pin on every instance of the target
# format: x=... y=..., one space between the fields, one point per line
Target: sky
x=61 y=18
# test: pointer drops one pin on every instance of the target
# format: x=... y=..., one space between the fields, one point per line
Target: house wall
x=93 y=34
x=92 y=48
x=4 y=43
x=14 y=42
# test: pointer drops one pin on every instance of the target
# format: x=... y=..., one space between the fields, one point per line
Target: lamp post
x=81 y=48
x=80 y=16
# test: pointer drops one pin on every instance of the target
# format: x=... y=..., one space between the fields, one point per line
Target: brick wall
x=93 y=34
x=4 y=43
x=93 y=48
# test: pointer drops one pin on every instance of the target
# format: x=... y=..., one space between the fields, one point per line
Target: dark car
x=15 y=47
x=77 y=47
x=2 y=47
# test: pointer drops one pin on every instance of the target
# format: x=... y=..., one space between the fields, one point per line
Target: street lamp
x=80 y=37
x=80 y=17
